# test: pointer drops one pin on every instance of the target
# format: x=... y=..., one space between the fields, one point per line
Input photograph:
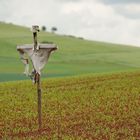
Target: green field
x=78 y=108
x=96 y=95
x=74 y=56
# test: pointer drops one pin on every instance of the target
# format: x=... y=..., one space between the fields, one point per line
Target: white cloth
x=38 y=57
x=26 y=71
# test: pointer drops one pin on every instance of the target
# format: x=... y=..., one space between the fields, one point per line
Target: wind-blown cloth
x=38 y=57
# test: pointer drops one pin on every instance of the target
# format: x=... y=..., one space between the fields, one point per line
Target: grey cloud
x=120 y=1
x=128 y=14
x=65 y=1
x=121 y=7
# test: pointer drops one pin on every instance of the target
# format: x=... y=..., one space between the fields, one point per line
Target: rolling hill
x=75 y=56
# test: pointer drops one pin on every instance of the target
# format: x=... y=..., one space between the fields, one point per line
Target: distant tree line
x=53 y=29
x=44 y=28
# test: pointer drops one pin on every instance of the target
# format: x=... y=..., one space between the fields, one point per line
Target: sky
x=116 y=21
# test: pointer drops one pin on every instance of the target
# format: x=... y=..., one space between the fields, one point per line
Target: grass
x=74 y=56
x=83 y=107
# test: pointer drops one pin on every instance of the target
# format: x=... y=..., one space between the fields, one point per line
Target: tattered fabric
x=38 y=57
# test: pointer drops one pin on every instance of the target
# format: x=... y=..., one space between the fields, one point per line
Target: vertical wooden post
x=39 y=99
x=37 y=78
x=35 y=40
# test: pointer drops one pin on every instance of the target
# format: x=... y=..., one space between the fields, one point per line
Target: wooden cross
x=38 y=53
x=35 y=29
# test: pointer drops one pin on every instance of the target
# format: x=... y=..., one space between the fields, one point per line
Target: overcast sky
x=115 y=21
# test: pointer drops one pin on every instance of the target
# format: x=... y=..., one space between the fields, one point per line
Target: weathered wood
x=39 y=100
x=37 y=79
x=35 y=29
x=35 y=40
x=41 y=46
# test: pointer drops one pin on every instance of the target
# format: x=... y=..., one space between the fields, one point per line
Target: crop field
x=75 y=108
x=75 y=56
